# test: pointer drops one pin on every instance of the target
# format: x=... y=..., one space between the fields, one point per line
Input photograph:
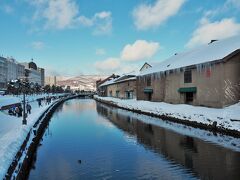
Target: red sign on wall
x=208 y=72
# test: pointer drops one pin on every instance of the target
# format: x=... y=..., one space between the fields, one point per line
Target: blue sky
x=72 y=37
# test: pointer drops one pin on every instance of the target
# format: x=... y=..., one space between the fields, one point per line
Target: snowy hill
x=82 y=82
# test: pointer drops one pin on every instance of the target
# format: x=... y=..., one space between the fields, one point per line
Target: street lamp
x=21 y=83
x=24 y=122
x=24 y=83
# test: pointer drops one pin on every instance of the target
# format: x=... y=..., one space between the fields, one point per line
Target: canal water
x=89 y=140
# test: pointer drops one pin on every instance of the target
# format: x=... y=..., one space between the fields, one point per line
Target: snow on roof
x=206 y=53
x=111 y=81
x=132 y=76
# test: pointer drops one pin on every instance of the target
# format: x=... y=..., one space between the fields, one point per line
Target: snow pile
x=206 y=53
x=12 y=132
x=122 y=78
x=9 y=99
x=228 y=117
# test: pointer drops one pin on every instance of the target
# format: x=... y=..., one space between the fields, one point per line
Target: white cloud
x=152 y=15
x=60 y=14
x=207 y=31
x=103 y=15
x=108 y=65
x=135 y=52
x=65 y=14
x=234 y=3
x=8 y=9
x=38 y=45
x=100 y=51
x=139 y=50
x=85 y=21
x=102 y=22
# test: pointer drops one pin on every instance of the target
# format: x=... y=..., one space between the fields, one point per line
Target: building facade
x=10 y=69
x=51 y=80
x=42 y=74
x=35 y=74
x=123 y=88
x=20 y=70
x=3 y=72
x=213 y=83
x=101 y=89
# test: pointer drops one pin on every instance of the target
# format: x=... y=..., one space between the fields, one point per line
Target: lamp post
x=23 y=83
x=24 y=121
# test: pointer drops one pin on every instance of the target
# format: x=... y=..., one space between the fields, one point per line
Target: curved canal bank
x=21 y=164
x=213 y=127
x=89 y=140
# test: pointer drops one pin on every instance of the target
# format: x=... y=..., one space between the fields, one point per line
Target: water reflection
x=206 y=160
x=115 y=144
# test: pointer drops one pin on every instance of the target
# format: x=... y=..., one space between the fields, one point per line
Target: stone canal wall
x=210 y=127
x=23 y=160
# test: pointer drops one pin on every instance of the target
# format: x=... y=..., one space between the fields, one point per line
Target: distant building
x=35 y=74
x=100 y=81
x=102 y=90
x=20 y=70
x=42 y=72
x=3 y=72
x=51 y=80
x=205 y=76
x=10 y=69
x=123 y=86
x=14 y=69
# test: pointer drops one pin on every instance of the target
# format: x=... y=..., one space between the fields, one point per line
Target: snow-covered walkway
x=228 y=117
x=12 y=132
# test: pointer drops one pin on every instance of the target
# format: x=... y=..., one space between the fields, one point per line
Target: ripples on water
x=118 y=144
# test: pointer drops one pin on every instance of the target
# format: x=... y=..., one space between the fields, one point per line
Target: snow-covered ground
x=204 y=115
x=12 y=132
x=9 y=99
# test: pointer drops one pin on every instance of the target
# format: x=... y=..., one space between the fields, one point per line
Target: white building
x=10 y=69
x=42 y=72
x=51 y=80
x=3 y=72
x=35 y=74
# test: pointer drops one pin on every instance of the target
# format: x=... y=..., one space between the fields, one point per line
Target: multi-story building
x=51 y=80
x=42 y=72
x=35 y=74
x=3 y=72
x=21 y=70
x=12 y=69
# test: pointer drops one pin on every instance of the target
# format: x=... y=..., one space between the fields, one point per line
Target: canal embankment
x=225 y=120
x=19 y=142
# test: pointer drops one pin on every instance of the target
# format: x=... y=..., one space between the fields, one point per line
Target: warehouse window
x=149 y=81
x=188 y=76
x=117 y=94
